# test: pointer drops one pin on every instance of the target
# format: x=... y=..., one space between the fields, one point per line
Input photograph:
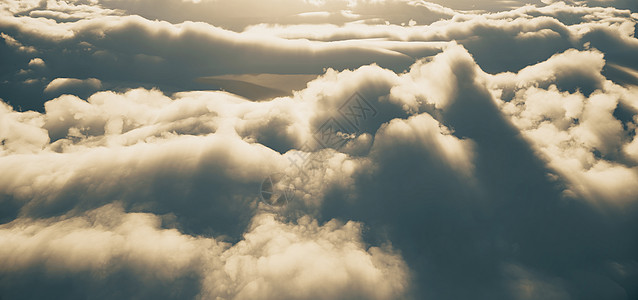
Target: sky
x=318 y=149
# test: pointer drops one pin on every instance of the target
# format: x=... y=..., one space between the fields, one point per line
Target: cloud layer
x=424 y=152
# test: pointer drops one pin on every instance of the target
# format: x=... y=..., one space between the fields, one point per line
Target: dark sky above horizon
x=318 y=149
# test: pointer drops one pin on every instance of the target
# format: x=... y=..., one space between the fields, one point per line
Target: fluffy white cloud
x=66 y=85
x=12 y=42
x=579 y=134
x=307 y=261
x=283 y=260
x=21 y=132
x=36 y=62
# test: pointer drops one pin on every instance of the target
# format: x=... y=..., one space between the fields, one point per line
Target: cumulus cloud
x=71 y=85
x=13 y=43
x=301 y=260
x=417 y=149
x=36 y=62
x=578 y=132
x=174 y=56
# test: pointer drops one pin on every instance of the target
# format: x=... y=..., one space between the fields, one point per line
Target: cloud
x=492 y=218
x=302 y=260
x=13 y=43
x=174 y=56
x=611 y=3
x=578 y=132
x=211 y=150
x=71 y=85
x=425 y=150
x=236 y=15
x=22 y=132
x=307 y=261
x=36 y=62
x=162 y=54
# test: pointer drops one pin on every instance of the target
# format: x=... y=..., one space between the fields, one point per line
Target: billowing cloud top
x=299 y=149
